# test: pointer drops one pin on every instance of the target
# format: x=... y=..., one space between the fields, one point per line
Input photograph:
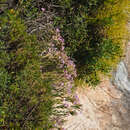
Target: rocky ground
x=104 y=108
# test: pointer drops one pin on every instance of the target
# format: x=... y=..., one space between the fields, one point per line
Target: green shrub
x=25 y=97
x=91 y=29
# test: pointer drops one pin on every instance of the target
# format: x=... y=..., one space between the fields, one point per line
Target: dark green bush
x=84 y=26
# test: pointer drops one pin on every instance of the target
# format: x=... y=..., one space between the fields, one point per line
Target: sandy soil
x=104 y=108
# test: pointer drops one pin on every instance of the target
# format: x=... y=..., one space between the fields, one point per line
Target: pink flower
x=76 y=98
x=49 y=50
x=66 y=105
x=65 y=71
x=52 y=44
x=75 y=102
x=61 y=39
x=43 y=9
x=62 y=48
x=62 y=84
x=57 y=30
x=63 y=62
x=70 y=86
x=68 y=76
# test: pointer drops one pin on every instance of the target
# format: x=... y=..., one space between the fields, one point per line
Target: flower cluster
x=65 y=63
x=43 y=9
x=57 y=67
x=65 y=78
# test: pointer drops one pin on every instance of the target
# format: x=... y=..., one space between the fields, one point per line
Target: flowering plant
x=37 y=77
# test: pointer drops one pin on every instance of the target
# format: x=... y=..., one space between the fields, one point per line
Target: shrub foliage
x=94 y=31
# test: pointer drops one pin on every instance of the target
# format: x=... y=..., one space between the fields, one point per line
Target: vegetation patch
x=45 y=46
x=94 y=33
x=36 y=75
